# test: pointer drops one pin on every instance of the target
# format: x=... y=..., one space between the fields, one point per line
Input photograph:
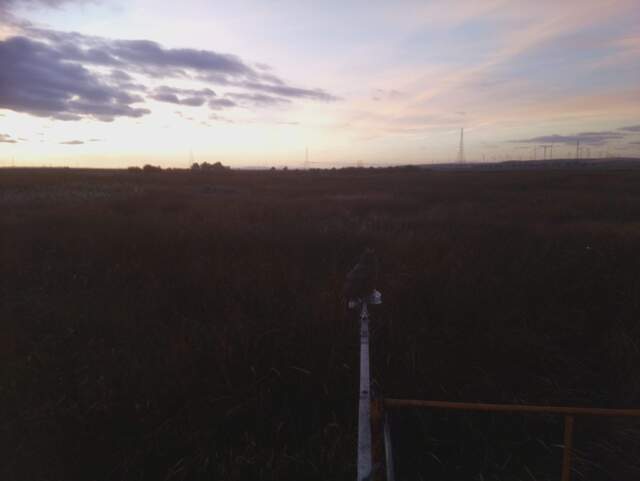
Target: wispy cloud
x=258 y=99
x=7 y=6
x=72 y=142
x=488 y=86
x=6 y=139
x=590 y=138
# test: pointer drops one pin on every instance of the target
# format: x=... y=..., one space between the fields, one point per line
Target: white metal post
x=364 y=407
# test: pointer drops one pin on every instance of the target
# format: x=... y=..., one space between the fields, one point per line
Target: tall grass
x=187 y=326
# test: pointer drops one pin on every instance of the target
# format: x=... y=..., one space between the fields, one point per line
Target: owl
x=361 y=280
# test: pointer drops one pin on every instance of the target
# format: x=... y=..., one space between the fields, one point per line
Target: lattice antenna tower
x=461 y=149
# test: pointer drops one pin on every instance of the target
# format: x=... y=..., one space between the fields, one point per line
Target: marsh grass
x=156 y=327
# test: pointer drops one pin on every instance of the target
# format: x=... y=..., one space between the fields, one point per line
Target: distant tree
x=217 y=167
x=151 y=168
x=134 y=169
x=195 y=166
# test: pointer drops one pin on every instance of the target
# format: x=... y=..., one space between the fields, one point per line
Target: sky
x=115 y=83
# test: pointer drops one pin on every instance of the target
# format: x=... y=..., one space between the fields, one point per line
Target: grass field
x=190 y=326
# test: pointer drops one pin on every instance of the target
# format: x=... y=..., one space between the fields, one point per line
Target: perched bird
x=361 y=280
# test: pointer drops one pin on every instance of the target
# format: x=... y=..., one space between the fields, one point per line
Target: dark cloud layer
x=40 y=82
x=631 y=128
x=72 y=142
x=589 y=138
x=68 y=76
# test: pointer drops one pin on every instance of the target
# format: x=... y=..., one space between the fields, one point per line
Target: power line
x=545 y=147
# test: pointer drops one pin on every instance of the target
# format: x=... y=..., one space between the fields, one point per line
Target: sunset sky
x=113 y=83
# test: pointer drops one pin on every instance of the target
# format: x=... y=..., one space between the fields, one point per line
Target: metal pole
x=568 y=446
x=388 y=451
x=364 y=407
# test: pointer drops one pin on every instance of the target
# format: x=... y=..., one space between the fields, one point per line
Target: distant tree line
x=203 y=167
x=146 y=168
x=206 y=166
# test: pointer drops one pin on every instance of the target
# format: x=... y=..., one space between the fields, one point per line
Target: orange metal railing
x=569 y=413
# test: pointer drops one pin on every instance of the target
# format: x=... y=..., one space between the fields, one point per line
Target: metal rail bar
x=364 y=406
x=462 y=406
x=569 y=413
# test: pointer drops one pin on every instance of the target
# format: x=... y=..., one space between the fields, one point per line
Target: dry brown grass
x=190 y=326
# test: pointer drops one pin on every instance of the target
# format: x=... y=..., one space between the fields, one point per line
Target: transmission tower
x=461 y=150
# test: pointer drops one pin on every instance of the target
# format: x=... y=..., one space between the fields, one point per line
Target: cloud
x=193 y=92
x=259 y=99
x=150 y=58
x=169 y=98
x=288 y=91
x=420 y=120
x=70 y=76
x=6 y=139
x=120 y=75
x=193 y=101
x=189 y=97
x=382 y=94
x=72 y=142
x=631 y=128
x=40 y=82
x=589 y=138
x=217 y=104
x=487 y=51
x=6 y=6
x=219 y=118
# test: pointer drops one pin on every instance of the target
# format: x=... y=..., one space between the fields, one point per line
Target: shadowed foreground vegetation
x=188 y=326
